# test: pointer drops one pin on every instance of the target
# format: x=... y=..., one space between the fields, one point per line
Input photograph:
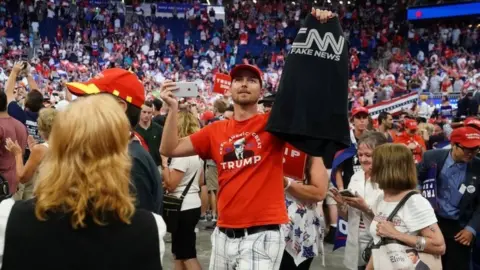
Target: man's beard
x=244 y=102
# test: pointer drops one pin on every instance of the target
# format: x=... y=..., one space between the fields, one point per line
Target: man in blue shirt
x=33 y=102
x=450 y=179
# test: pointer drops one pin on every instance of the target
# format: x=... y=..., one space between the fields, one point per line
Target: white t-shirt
x=62 y=105
x=189 y=166
x=424 y=110
x=35 y=26
x=415 y=215
x=50 y=13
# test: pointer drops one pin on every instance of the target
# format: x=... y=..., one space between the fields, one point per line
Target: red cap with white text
x=466 y=136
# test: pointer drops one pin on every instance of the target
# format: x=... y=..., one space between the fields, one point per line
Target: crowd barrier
x=405 y=102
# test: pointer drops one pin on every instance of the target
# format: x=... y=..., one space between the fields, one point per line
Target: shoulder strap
x=401 y=204
x=185 y=191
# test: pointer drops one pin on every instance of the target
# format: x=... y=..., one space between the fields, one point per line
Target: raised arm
x=171 y=145
x=31 y=82
x=10 y=85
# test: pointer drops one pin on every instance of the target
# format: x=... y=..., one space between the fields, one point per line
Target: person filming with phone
x=354 y=203
x=251 y=202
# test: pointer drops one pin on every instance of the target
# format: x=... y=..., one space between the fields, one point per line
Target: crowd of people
x=388 y=56
x=201 y=150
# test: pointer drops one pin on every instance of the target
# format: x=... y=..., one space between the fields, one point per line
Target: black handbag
x=4 y=189
x=367 y=252
x=172 y=206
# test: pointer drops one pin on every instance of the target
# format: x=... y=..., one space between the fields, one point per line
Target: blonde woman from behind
x=27 y=174
x=83 y=216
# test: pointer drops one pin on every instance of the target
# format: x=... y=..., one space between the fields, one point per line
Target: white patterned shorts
x=259 y=251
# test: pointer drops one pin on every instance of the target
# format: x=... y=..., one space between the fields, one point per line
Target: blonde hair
x=430 y=128
x=45 y=121
x=393 y=168
x=220 y=106
x=87 y=169
x=187 y=123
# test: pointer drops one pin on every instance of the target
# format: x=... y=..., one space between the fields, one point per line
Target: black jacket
x=146 y=179
x=53 y=244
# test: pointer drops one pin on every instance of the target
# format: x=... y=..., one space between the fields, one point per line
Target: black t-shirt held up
x=310 y=110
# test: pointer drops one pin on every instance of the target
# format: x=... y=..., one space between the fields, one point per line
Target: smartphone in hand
x=186 y=89
x=347 y=193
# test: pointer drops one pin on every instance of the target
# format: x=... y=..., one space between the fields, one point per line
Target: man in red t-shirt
x=412 y=140
x=251 y=204
x=249 y=160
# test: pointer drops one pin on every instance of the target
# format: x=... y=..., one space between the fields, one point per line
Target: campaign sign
x=221 y=83
x=99 y=3
x=294 y=162
x=341 y=234
x=429 y=187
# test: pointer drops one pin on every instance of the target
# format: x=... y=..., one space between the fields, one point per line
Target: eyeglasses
x=468 y=150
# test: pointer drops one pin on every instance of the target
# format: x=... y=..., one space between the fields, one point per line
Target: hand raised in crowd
x=167 y=95
x=322 y=15
x=13 y=147
x=17 y=67
x=464 y=237
x=386 y=229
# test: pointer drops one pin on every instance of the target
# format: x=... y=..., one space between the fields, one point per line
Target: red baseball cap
x=116 y=81
x=251 y=68
x=411 y=124
x=358 y=110
x=207 y=116
x=472 y=122
x=466 y=136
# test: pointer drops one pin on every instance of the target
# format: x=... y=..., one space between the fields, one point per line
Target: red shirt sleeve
x=201 y=141
x=399 y=139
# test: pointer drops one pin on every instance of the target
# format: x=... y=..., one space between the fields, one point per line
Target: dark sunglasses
x=468 y=150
